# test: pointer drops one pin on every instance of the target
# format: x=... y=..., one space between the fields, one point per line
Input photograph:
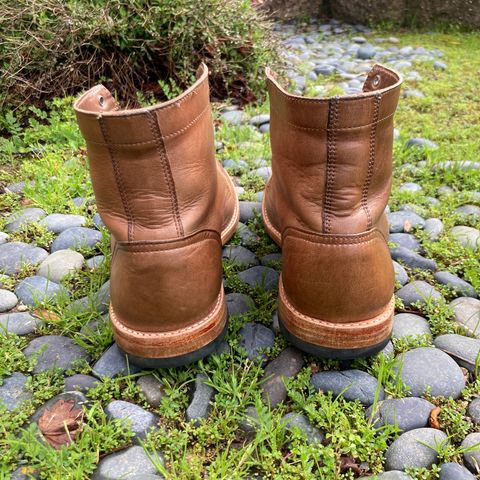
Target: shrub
x=53 y=48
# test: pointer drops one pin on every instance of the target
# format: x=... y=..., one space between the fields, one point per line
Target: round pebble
x=428 y=369
x=409 y=325
x=60 y=264
x=7 y=300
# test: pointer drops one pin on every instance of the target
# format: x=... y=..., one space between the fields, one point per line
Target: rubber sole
x=179 y=360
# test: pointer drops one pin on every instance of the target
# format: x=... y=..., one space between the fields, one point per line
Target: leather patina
x=170 y=206
x=324 y=205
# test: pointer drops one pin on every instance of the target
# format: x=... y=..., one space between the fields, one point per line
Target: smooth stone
x=238 y=303
x=7 y=300
x=472 y=457
x=36 y=289
x=14 y=255
x=413 y=93
x=409 y=325
x=113 y=363
x=418 y=291
x=351 y=384
x=249 y=422
x=60 y=264
x=429 y=369
x=80 y=383
x=248 y=210
x=404 y=218
x=13 y=391
x=78 y=399
x=255 y=339
x=471 y=211
x=391 y=475
x=433 y=227
x=234 y=117
x=464 y=350
x=388 y=351
x=411 y=186
x=445 y=190
x=125 y=464
x=95 y=262
x=474 y=410
x=201 y=396
x=296 y=421
x=287 y=364
x=98 y=302
x=138 y=420
x=467 y=313
x=439 y=65
x=247 y=237
x=365 y=52
x=16 y=187
x=58 y=222
x=412 y=259
x=55 y=351
x=261 y=119
x=406 y=240
x=407 y=413
x=469 y=237
x=259 y=276
x=454 y=471
x=152 y=389
x=241 y=256
x=76 y=238
x=265 y=173
x=24 y=472
x=401 y=275
x=421 y=143
x=22 y=218
x=414 y=449
x=19 y=323
x=97 y=221
x=458 y=285
x=3 y=238
x=271 y=259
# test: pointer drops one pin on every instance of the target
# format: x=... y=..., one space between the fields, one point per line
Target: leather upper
x=153 y=169
x=324 y=204
x=170 y=206
x=332 y=158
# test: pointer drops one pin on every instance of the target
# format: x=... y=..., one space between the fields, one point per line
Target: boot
x=324 y=205
x=170 y=206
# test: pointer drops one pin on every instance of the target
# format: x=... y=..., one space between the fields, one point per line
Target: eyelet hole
x=376 y=81
x=101 y=100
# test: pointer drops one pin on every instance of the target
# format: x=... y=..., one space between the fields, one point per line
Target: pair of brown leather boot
x=170 y=207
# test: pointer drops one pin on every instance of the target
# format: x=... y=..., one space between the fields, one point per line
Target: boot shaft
x=153 y=169
x=332 y=158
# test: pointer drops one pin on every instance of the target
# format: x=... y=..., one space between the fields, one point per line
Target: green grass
x=218 y=449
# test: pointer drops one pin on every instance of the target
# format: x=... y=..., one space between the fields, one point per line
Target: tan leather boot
x=170 y=206
x=324 y=205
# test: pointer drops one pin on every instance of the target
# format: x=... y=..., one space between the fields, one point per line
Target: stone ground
x=258 y=408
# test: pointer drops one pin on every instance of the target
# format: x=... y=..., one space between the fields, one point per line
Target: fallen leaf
x=61 y=423
x=433 y=420
x=46 y=315
x=407 y=226
x=348 y=463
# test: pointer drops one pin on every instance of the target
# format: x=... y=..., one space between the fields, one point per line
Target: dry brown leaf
x=407 y=226
x=349 y=463
x=433 y=420
x=61 y=423
x=46 y=315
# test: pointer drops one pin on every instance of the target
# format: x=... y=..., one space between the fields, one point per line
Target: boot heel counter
x=338 y=278
x=166 y=286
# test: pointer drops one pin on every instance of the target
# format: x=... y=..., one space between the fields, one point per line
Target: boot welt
x=334 y=340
